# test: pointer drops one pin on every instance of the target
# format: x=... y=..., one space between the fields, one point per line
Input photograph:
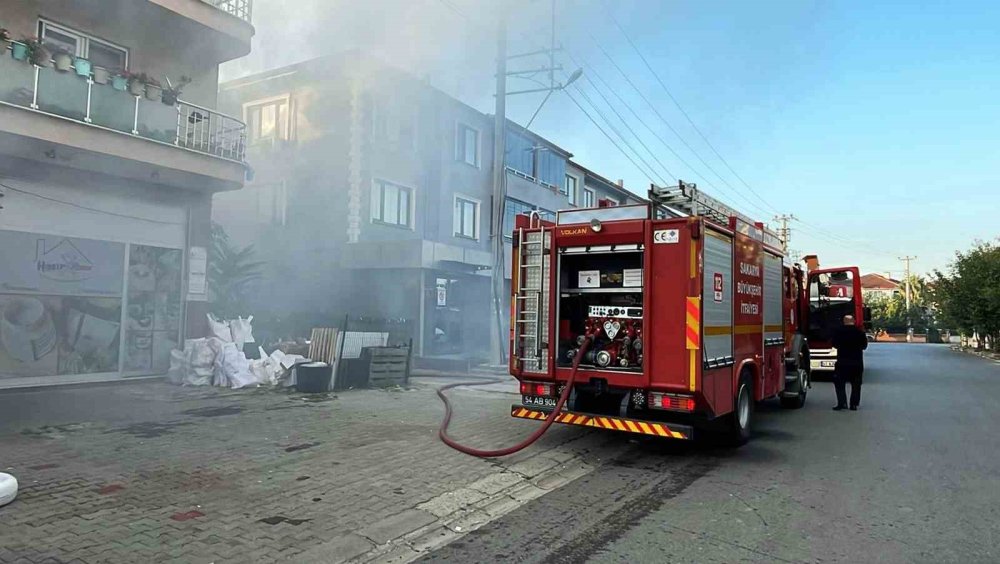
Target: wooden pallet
x=389 y=366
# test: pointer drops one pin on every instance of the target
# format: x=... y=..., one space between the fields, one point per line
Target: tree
x=967 y=296
x=889 y=313
x=231 y=270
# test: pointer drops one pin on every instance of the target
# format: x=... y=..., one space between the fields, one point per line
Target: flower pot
x=62 y=61
x=169 y=98
x=136 y=88
x=19 y=51
x=153 y=92
x=102 y=76
x=82 y=66
x=119 y=83
x=41 y=57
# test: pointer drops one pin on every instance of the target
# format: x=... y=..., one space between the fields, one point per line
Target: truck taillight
x=536 y=389
x=671 y=401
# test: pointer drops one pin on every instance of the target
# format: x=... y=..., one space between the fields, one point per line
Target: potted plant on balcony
x=154 y=91
x=120 y=81
x=82 y=66
x=173 y=91
x=101 y=75
x=40 y=56
x=136 y=84
x=62 y=60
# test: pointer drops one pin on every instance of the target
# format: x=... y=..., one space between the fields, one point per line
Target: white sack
x=242 y=331
x=219 y=329
x=180 y=363
x=232 y=368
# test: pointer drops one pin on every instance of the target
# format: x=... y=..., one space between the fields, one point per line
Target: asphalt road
x=910 y=477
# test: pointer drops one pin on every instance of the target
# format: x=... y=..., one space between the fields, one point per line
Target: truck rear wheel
x=741 y=419
x=798 y=400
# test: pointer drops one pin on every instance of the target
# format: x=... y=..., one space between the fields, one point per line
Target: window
x=467 y=145
x=267 y=120
x=588 y=198
x=97 y=51
x=513 y=208
x=390 y=203
x=466 y=217
x=272 y=202
x=569 y=189
x=394 y=122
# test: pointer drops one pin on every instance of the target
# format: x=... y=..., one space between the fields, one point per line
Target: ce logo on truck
x=666 y=236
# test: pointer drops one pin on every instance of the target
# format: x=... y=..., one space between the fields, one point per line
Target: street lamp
x=572 y=78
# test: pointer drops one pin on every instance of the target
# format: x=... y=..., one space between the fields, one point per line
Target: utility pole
x=499 y=196
x=786 y=231
x=906 y=280
x=499 y=343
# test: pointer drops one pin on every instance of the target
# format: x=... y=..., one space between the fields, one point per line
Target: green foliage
x=968 y=294
x=889 y=313
x=231 y=270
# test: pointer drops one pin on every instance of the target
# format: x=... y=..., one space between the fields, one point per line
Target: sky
x=873 y=123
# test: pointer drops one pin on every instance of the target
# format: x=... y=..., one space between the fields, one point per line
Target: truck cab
x=833 y=293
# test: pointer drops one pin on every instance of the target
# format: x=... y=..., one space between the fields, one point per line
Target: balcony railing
x=79 y=98
x=242 y=9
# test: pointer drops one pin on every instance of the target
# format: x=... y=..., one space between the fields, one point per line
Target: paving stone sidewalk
x=151 y=472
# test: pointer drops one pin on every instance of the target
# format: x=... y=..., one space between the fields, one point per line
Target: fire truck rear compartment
x=601 y=293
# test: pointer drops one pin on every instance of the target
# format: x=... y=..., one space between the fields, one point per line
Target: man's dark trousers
x=844 y=374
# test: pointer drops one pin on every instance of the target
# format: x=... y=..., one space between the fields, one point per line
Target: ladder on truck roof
x=687 y=199
x=529 y=306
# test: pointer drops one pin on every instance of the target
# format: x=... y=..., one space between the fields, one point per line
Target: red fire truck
x=688 y=313
x=833 y=293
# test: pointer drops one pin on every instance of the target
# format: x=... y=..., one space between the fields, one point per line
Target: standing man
x=850 y=343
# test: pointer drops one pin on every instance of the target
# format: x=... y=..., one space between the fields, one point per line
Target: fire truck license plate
x=828 y=363
x=539 y=401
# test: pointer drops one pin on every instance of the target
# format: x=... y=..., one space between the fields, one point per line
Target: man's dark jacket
x=849 y=342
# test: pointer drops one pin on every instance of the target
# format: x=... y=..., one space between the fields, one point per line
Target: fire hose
x=443 y=432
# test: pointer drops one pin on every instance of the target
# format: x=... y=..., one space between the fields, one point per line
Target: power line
x=90 y=209
x=627 y=126
x=683 y=112
x=676 y=133
x=842 y=240
x=613 y=142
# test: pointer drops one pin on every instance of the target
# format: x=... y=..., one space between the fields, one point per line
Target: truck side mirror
x=867 y=312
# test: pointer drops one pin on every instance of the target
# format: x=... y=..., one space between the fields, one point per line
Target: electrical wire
x=684 y=112
x=617 y=132
x=734 y=192
x=531 y=41
x=87 y=208
x=627 y=126
x=613 y=142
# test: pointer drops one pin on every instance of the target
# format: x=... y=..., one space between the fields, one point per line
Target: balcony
x=68 y=95
x=242 y=9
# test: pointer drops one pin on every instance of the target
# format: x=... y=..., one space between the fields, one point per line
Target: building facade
x=380 y=187
x=877 y=285
x=107 y=181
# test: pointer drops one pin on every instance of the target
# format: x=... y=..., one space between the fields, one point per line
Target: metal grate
x=210 y=132
x=242 y=9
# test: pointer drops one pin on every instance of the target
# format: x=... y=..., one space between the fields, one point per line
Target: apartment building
x=379 y=186
x=110 y=151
